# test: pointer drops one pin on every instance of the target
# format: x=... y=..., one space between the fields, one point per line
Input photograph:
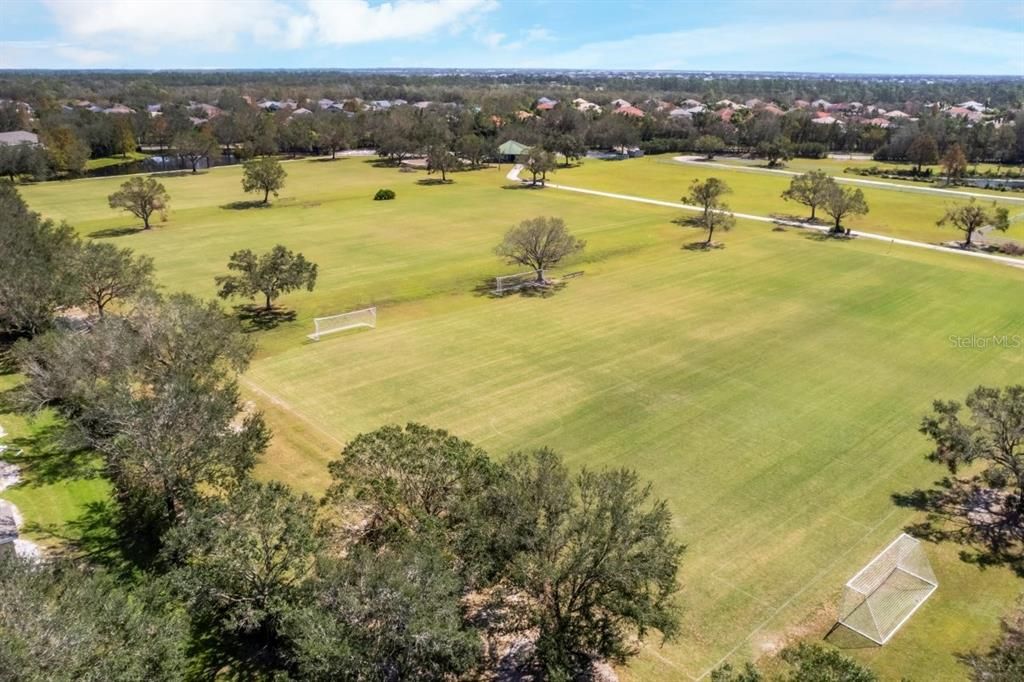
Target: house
x=510 y=151
x=154 y=109
x=380 y=105
x=690 y=103
x=725 y=114
x=754 y=103
x=697 y=109
x=422 y=104
x=971 y=115
x=801 y=104
x=324 y=103
x=269 y=105
x=772 y=109
x=821 y=104
x=301 y=111
x=545 y=104
x=971 y=104
x=629 y=110
x=546 y=100
x=16 y=137
x=209 y=110
x=119 y=109
x=524 y=115
x=825 y=120
x=679 y=112
x=583 y=105
x=619 y=103
x=895 y=113
x=727 y=103
x=879 y=122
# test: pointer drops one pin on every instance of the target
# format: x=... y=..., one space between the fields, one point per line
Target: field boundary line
x=1006 y=260
x=878 y=184
x=285 y=405
x=798 y=593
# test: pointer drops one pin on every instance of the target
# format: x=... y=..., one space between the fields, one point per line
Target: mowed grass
x=908 y=215
x=770 y=391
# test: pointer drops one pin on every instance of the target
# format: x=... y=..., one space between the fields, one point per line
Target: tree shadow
x=819 y=236
x=50 y=456
x=426 y=182
x=182 y=173
x=329 y=159
x=523 y=185
x=246 y=205
x=115 y=232
x=485 y=288
x=256 y=318
x=703 y=246
x=989 y=534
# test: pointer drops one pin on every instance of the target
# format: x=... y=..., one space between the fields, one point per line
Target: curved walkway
x=1005 y=260
x=877 y=184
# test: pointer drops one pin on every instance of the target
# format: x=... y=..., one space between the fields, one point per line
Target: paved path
x=10 y=518
x=1006 y=260
x=878 y=184
x=513 y=174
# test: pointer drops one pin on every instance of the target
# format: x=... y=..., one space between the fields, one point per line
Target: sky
x=984 y=37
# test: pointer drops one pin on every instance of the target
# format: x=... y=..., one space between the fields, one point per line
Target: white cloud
x=220 y=25
x=807 y=46
x=32 y=53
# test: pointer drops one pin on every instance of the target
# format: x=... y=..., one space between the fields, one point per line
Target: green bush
x=384 y=195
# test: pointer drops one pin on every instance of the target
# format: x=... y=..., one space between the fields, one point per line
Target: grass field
x=907 y=215
x=770 y=390
x=107 y=161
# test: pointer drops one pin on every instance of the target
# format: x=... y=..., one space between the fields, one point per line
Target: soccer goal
x=367 y=317
x=507 y=283
x=886 y=593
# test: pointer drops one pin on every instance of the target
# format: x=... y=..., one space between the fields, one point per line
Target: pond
x=164 y=162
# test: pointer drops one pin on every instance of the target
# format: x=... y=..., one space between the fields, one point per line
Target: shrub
x=384 y=195
x=810 y=150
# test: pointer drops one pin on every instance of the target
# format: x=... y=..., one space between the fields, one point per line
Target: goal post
x=504 y=284
x=883 y=595
x=367 y=317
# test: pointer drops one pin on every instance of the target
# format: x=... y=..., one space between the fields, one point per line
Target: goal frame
x=928 y=584
x=499 y=281
x=354 y=314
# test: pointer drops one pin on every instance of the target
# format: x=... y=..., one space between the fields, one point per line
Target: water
x=165 y=162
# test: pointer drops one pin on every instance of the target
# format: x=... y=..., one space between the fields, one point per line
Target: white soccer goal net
x=509 y=283
x=367 y=317
x=886 y=593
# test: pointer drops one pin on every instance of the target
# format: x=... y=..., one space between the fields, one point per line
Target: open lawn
x=107 y=161
x=908 y=215
x=840 y=168
x=770 y=390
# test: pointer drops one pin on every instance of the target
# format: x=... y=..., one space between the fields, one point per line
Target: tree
x=392 y=614
x=954 y=163
x=842 y=202
x=775 y=150
x=709 y=145
x=124 y=135
x=810 y=189
x=194 y=146
x=154 y=394
x=240 y=558
x=35 y=279
x=972 y=216
x=598 y=562
x=539 y=243
x=107 y=273
x=474 y=149
x=273 y=273
x=981 y=501
x=1004 y=661
x=66 y=151
x=142 y=197
x=922 y=150
x=22 y=159
x=265 y=175
x=708 y=195
x=399 y=481
x=62 y=622
x=539 y=162
x=440 y=159
x=332 y=132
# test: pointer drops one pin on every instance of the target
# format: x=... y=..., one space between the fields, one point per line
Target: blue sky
x=866 y=36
